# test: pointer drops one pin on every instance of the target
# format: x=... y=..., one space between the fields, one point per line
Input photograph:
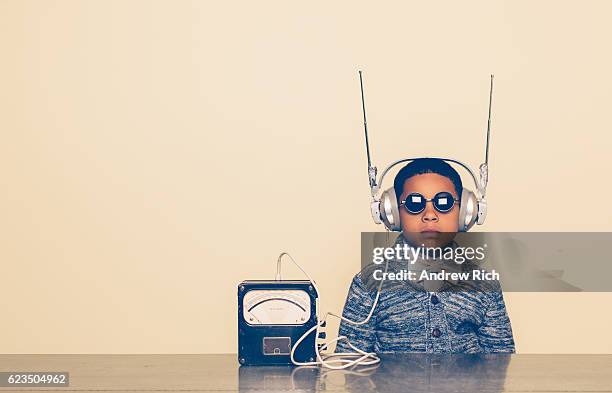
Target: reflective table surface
x=396 y=373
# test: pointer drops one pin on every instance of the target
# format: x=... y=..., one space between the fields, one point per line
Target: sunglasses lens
x=415 y=203
x=443 y=201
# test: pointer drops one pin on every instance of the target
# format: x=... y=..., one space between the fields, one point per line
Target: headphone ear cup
x=389 y=212
x=468 y=211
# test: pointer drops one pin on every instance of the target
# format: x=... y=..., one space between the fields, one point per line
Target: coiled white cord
x=335 y=361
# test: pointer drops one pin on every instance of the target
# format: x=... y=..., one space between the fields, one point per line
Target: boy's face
x=430 y=227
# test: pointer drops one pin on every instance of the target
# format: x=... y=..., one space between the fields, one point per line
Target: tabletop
x=396 y=373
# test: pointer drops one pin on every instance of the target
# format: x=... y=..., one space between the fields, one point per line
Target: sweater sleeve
x=495 y=333
x=358 y=304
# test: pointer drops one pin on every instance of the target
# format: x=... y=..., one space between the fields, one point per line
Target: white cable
x=346 y=359
x=278 y=266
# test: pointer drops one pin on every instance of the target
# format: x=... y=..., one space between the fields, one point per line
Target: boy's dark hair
x=427 y=165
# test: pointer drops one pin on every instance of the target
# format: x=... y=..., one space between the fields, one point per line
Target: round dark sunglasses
x=442 y=202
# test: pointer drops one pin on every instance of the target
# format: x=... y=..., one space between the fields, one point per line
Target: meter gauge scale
x=276 y=307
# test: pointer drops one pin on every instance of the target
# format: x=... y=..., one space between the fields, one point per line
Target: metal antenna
x=371 y=169
x=489 y=121
x=484 y=167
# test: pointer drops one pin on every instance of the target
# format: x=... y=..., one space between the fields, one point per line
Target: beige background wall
x=156 y=153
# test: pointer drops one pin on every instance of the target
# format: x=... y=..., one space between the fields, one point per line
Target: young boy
x=417 y=318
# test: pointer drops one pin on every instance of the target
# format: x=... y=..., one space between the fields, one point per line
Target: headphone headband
x=480 y=186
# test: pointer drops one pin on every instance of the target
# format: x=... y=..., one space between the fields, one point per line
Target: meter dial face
x=276 y=307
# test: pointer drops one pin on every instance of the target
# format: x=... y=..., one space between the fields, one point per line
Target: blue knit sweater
x=407 y=318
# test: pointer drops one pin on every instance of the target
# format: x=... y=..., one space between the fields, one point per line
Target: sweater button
x=436 y=332
x=434 y=300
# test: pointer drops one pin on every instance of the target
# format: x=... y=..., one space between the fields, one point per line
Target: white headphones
x=473 y=205
x=472 y=208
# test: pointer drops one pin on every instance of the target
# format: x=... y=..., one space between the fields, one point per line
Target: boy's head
x=423 y=220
